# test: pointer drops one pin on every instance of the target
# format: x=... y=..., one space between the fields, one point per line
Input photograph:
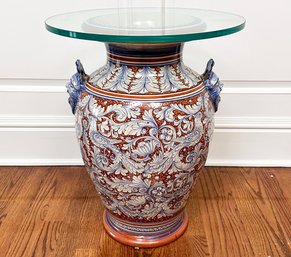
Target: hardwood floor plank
x=233 y=212
x=12 y=182
x=17 y=206
x=255 y=206
x=280 y=207
x=33 y=220
x=220 y=216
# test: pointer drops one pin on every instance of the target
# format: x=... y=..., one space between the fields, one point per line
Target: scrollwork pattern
x=143 y=159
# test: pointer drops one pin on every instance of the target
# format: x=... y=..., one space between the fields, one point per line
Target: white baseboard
x=252 y=127
x=41 y=162
x=247 y=163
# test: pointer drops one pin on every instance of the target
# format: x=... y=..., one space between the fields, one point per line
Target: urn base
x=144 y=121
x=145 y=234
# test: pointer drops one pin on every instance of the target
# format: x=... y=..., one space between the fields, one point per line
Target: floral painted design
x=145 y=79
x=144 y=157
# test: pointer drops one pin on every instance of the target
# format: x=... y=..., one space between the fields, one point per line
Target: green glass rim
x=146 y=38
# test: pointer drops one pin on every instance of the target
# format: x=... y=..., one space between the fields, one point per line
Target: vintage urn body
x=144 y=122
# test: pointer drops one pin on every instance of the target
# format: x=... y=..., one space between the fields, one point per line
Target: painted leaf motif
x=121 y=185
x=132 y=128
x=139 y=181
x=136 y=201
x=101 y=74
x=109 y=79
x=149 y=81
x=166 y=78
x=125 y=80
x=145 y=148
x=132 y=166
x=189 y=75
x=96 y=110
x=84 y=101
x=179 y=79
x=148 y=119
x=122 y=78
x=104 y=126
x=124 y=113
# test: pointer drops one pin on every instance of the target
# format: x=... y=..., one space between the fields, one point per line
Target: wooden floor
x=233 y=212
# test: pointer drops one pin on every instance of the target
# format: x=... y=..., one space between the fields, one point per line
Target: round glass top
x=150 y=25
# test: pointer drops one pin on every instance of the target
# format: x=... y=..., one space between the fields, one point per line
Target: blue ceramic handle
x=76 y=85
x=212 y=83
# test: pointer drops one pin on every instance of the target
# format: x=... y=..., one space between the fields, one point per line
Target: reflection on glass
x=144 y=21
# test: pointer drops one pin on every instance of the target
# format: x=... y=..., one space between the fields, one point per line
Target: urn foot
x=145 y=235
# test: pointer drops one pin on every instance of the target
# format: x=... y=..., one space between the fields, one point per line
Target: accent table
x=144 y=120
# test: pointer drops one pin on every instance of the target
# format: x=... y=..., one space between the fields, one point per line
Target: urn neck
x=158 y=54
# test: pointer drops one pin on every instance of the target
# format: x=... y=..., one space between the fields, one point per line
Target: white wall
x=253 y=125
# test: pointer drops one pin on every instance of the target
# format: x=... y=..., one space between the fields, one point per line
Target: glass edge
x=145 y=39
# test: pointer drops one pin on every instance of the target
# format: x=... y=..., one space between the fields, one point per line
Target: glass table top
x=150 y=25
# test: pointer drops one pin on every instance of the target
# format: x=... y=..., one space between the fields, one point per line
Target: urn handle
x=76 y=85
x=212 y=83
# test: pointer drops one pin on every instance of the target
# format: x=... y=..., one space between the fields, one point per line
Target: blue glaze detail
x=153 y=233
x=212 y=83
x=149 y=51
x=170 y=99
x=76 y=85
